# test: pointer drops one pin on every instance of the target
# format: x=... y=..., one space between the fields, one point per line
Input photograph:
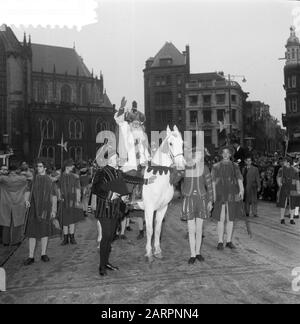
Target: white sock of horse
x=192 y=237
x=140 y=223
x=123 y=226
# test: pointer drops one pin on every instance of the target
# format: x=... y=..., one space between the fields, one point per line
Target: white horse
x=158 y=195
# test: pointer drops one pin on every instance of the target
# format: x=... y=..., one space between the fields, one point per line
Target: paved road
x=259 y=271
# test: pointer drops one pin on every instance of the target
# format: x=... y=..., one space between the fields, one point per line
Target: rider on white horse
x=133 y=142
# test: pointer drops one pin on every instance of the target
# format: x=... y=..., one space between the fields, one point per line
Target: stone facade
x=291 y=119
x=46 y=93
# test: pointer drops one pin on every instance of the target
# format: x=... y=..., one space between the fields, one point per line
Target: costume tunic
x=43 y=202
x=226 y=175
x=197 y=192
x=288 y=190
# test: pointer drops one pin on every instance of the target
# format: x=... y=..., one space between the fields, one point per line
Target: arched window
x=72 y=129
x=47 y=128
x=51 y=153
x=66 y=94
x=42 y=92
x=50 y=129
x=75 y=153
x=45 y=152
x=98 y=126
x=78 y=153
x=83 y=95
x=78 y=129
x=72 y=153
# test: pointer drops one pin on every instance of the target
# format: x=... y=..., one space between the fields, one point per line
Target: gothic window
x=75 y=153
x=72 y=129
x=66 y=94
x=45 y=152
x=48 y=152
x=83 y=95
x=47 y=128
x=98 y=126
x=42 y=92
x=51 y=153
x=78 y=153
x=78 y=129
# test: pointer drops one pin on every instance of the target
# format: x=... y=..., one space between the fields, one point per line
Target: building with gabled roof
x=165 y=76
x=47 y=92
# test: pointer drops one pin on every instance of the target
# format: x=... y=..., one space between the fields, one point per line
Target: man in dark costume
x=251 y=185
x=289 y=187
x=42 y=212
x=108 y=186
x=70 y=211
x=228 y=194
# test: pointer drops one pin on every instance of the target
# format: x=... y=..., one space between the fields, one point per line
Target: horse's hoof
x=158 y=256
x=149 y=259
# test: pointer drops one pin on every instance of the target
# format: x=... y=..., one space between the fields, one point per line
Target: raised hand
x=123 y=103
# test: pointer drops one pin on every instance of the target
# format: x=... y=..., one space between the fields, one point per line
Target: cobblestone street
x=259 y=271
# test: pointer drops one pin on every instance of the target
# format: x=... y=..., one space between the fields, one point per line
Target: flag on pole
x=62 y=144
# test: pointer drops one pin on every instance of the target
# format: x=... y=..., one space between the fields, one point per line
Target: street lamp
x=229 y=105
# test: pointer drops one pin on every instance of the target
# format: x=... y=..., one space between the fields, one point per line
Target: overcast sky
x=237 y=37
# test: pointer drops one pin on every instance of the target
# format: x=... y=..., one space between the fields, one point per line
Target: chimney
x=186 y=53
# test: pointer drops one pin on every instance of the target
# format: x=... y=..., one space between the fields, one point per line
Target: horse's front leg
x=160 y=214
x=149 y=229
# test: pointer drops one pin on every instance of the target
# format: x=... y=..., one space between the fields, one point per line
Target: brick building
x=165 y=77
x=47 y=91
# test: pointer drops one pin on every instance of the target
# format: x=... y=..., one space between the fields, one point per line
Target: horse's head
x=175 y=144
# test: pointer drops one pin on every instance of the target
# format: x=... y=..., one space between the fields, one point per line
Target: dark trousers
x=109 y=227
x=12 y=235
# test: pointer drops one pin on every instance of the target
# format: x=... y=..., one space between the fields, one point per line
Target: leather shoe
x=111 y=267
x=200 y=258
x=230 y=246
x=29 y=262
x=292 y=222
x=282 y=222
x=45 y=258
x=192 y=260
x=102 y=272
x=220 y=247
